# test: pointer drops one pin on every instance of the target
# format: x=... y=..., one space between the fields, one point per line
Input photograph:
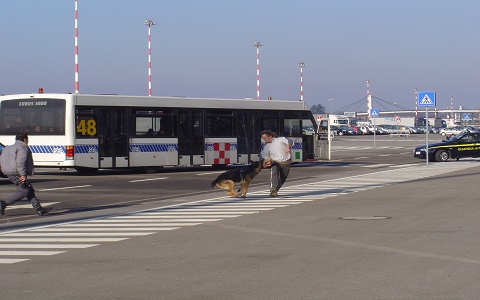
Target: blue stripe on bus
x=82 y=149
x=48 y=149
x=297 y=146
x=153 y=148
x=209 y=147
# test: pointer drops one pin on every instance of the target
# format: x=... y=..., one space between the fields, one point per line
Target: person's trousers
x=24 y=190
x=278 y=174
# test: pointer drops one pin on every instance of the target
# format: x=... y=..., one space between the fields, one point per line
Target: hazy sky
x=204 y=48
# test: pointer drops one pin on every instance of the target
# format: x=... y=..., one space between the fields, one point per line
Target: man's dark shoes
x=3 y=205
x=41 y=211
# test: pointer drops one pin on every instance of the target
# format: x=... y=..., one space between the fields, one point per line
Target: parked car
x=1 y=149
x=365 y=130
x=308 y=130
x=411 y=129
x=344 y=130
x=448 y=131
x=465 y=144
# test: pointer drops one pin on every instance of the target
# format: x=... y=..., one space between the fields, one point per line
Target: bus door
x=112 y=135
x=244 y=137
x=190 y=138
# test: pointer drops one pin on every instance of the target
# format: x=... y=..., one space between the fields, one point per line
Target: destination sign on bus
x=32 y=103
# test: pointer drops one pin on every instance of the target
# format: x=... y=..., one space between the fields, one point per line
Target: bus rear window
x=34 y=116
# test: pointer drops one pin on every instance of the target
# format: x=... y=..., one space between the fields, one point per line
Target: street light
x=331 y=106
x=301 y=64
x=149 y=23
x=395 y=118
x=258 y=45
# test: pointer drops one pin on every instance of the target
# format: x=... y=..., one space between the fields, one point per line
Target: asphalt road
x=373 y=223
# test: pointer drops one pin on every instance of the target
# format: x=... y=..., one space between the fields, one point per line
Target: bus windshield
x=34 y=116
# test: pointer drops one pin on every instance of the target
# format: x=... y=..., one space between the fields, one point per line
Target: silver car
x=448 y=131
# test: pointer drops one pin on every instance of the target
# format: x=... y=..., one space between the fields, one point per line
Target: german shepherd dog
x=243 y=176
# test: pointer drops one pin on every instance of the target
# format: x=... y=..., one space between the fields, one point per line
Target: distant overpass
x=457 y=114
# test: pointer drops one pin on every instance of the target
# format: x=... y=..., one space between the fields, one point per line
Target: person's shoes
x=41 y=211
x=273 y=193
x=3 y=205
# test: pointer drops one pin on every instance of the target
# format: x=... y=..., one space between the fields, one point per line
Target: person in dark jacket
x=17 y=163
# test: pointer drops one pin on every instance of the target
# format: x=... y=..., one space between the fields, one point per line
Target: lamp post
x=396 y=118
x=369 y=97
x=301 y=65
x=331 y=106
x=416 y=106
x=149 y=23
x=258 y=45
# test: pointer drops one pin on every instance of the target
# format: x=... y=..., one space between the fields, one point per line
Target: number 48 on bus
x=87 y=127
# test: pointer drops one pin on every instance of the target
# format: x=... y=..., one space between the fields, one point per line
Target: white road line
x=11 y=261
x=105 y=229
x=30 y=253
x=199 y=213
x=403 y=166
x=233 y=205
x=65 y=188
x=46 y=246
x=19 y=206
x=152 y=216
x=211 y=209
x=376 y=166
x=127 y=224
x=149 y=179
x=142 y=220
x=63 y=240
x=77 y=234
x=209 y=173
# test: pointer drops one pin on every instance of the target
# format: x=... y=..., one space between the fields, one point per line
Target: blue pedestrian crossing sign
x=374 y=113
x=467 y=116
x=426 y=99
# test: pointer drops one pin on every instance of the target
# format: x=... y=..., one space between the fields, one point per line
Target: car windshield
x=456 y=137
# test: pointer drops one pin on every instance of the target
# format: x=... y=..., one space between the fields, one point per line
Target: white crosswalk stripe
x=23 y=245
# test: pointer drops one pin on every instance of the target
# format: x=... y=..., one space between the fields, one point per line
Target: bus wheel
x=86 y=171
x=441 y=155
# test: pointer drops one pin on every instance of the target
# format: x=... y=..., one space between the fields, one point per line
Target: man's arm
x=21 y=161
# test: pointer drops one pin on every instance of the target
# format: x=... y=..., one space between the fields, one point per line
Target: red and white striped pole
x=301 y=64
x=258 y=45
x=149 y=23
x=76 y=48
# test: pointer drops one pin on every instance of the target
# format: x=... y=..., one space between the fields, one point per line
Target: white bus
x=341 y=120
x=91 y=132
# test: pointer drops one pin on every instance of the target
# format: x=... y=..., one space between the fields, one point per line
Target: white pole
x=426 y=136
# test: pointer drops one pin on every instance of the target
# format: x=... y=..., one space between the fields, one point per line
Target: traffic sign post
x=373 y=114
x=426 y=99
x=467 y=117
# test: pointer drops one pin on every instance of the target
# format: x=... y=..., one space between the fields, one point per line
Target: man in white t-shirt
x=278 y=150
